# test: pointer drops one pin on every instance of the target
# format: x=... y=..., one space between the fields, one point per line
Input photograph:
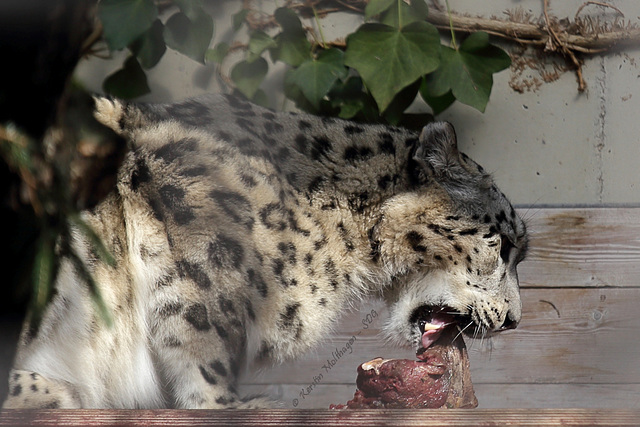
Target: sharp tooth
x=431 y=327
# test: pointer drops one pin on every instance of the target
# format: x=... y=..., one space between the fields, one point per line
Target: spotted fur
x=240 y=235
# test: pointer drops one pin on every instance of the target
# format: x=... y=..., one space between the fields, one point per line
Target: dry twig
x=598 y=3
x=533 y=34
x=554 y=44
x=580 y=37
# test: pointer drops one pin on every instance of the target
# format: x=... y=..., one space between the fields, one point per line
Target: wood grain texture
x=365 y=417
x=586 y=247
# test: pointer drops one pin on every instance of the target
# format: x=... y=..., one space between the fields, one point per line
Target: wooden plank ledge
x=317 y=417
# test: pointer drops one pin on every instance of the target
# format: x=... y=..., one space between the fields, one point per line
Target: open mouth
x=432 y=321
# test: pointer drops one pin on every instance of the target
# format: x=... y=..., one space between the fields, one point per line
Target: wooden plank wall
x=578 y=344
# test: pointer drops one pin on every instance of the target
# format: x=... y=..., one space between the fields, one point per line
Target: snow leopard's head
x=451 y=245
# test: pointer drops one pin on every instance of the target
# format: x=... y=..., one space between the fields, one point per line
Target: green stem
x=453 y=34
x=315 y=15
x=399 y=3
x=43 y=274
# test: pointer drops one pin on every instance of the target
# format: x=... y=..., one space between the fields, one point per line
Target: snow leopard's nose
x=509 y=322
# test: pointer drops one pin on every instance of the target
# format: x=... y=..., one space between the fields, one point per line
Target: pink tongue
x=431 y=335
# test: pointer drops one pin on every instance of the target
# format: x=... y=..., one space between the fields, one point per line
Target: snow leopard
x=240 y=235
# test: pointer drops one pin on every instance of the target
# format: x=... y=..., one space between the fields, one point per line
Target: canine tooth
x=431 y=327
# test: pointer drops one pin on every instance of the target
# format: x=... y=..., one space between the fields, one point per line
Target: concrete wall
x=548 y=146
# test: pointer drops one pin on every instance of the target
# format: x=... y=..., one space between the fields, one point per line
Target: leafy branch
x=374 y=75
x=136 y=25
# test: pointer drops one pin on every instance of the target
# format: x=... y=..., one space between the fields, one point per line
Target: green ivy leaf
x=239 y=18
x=292 y=46
x=150 y=47
x=261 y=99
x=288 y=20
x=468 y=72
x=248 y=75
x=490 y=58
x=353 y=101
x=437 y=102
x=291 y=49
x=294 y=93
x=376 y=7
x=259 y=42
x=128 y=82
x=414 y=12
x=123 y=21
x=189 y=37
x=191 y=8
x=217 y=54
x=348 y=110
x=316 y=76
x=395 y=111
x=390 y=59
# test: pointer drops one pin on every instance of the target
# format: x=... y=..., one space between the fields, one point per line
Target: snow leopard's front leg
x=200 y=345
x=31 y=390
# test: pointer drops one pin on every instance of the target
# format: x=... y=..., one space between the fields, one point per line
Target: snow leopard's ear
x=437 y=150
